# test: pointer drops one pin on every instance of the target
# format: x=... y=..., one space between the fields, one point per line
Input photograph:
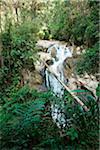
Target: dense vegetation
x=77 y=22
x=25 y=121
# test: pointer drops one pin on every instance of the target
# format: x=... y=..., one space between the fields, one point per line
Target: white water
x=57 y=111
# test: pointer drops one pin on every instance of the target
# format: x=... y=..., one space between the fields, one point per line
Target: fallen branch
x=72 y=94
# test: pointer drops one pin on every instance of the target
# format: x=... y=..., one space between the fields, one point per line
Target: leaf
x=79 y=91
x=72 y=133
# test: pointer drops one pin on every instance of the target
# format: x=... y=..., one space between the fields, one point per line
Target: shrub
x=19 y=45
x=18 y=51
x=22 y=118
x=77 y=21
x=89 y=61
x=25 y=122
x=83 y=132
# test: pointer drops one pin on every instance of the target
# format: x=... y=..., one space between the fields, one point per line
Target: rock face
x=90 y=82
x=45 y=44
x=53 y=52
x=33 y=79
x=42 y=57
x=72 y=83
x=68 y=67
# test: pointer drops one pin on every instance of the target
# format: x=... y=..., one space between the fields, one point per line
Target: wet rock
x=83 y=51
x=53 y=52
x=78 y=48
x=86 y=76
x=42 y=57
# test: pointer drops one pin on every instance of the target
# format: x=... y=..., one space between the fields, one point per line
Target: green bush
x=60 y=24
x=90 y=61
x=75 y=21
x=22 y=118
x=19 y=45
x=18 y=51
x=83 y=131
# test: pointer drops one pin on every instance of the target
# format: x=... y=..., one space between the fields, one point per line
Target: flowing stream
x=59 y=55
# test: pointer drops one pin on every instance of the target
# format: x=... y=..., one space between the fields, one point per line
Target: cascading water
x=61 y=53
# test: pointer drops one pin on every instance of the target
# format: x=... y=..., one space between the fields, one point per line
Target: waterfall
x=58 y=55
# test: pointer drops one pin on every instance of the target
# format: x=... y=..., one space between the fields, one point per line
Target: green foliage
x=18 y=52
x=59 y=23
x=75 y=21
x=22 y=118
x=89 y=61
x=72 y=133
x=18 y=45
x=84 y=129
x=25 y=122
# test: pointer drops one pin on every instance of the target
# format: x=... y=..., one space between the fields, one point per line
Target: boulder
x=46 y=43
x=53 y=52
x=32 y=78
x=42 y=57
x=68 y=68
x=72 y=83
